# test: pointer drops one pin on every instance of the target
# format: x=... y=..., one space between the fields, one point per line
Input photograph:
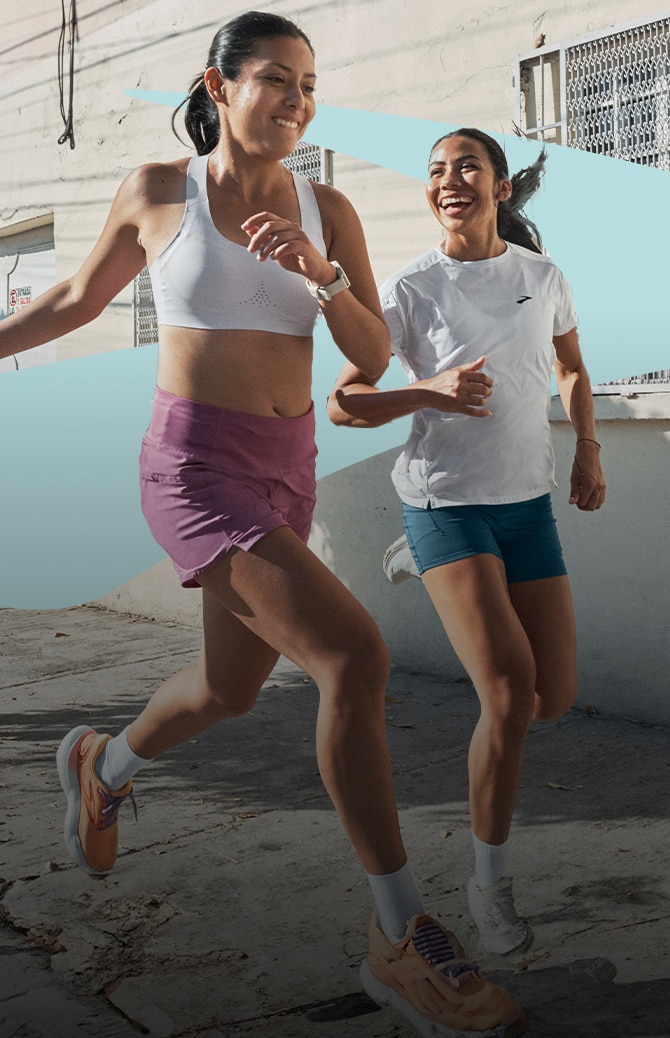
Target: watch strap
x=324 y=293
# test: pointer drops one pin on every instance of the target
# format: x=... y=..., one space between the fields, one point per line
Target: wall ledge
x=615 y=407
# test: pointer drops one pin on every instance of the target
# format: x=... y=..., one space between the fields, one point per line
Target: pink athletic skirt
x=211 y=479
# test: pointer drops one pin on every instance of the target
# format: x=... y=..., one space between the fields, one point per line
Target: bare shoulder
x=156 y=183
x=147 y=207
x=333 y=205
x=341 y=224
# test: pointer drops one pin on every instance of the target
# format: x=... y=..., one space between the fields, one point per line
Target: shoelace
x=434 y=946
x=110 y=807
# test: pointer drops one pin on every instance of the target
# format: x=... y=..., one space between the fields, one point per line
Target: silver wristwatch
x=324 y=293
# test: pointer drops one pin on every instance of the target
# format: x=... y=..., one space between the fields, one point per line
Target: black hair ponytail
x=201 y=118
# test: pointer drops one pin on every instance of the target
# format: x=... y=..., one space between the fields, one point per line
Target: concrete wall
x=618 y=560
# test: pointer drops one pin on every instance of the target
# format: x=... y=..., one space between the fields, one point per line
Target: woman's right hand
x=285 y=242
x=356 y=401
x=462 y=390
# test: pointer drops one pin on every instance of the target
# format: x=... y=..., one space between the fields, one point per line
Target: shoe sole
x=387 y=996
x=66 y=761
x=518 y=949
x=522 y=946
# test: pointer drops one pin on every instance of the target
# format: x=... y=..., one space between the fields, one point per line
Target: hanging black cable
x=68 y=25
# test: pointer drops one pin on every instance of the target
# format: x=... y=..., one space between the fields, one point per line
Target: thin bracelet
x=587 y=439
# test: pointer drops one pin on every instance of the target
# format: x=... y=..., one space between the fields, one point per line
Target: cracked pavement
x=237 y=908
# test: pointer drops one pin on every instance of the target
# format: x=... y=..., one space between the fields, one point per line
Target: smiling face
x=268 y=107
x=463 y=190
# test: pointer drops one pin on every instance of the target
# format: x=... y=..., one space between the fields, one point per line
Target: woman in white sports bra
x=243 y=256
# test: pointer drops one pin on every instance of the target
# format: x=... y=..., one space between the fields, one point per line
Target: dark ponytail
x=200 y=118
x=513 y=224
x=233 y=44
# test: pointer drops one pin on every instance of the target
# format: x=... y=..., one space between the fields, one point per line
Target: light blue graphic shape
x=72 y=529
x=339 y=446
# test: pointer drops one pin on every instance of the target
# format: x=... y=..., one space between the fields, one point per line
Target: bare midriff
x=261 y=373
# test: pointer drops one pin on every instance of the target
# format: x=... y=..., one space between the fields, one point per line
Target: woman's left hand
x=587 y=483
x=286 y=243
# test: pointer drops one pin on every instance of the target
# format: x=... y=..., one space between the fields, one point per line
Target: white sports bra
x=204 y=280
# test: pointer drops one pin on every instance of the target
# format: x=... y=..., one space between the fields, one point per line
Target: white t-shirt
x=441 y=313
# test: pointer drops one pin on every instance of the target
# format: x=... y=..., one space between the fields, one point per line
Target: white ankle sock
x=491 y=861
x=396 y=900
x=117 y=763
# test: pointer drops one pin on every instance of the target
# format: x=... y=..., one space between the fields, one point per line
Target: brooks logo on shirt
x=523 y=299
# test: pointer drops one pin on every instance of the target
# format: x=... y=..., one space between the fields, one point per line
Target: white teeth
x=455 y=201
x=285 y=122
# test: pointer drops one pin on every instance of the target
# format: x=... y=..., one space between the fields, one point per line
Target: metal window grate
x=607 y=93
x=311 y=161
x=653 y=382
x=144 y=311
x=617 y=94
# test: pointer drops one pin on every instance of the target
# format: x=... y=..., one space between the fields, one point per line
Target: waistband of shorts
x=180 y=422
x=537 y=503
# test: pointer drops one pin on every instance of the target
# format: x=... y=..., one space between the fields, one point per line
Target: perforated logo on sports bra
x=261 y=298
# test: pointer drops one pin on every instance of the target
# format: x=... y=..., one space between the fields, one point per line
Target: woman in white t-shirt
x=478 y=324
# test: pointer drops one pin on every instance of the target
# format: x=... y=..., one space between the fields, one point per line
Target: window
x=144 y=311
x=27 y=268
x=607 y=93
x=308 y=159
x=313 y=162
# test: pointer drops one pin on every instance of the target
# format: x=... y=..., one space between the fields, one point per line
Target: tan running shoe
x=91 y=830
x=428 y=978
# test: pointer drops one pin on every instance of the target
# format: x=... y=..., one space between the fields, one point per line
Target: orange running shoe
x=427 y=977
x=91 y=829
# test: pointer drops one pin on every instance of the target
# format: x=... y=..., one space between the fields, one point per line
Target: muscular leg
x=511 y=639
x=279 y=598
x=472 y=600
x=233 y=665
x=544 y=608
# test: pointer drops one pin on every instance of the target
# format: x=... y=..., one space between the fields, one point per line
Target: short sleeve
x=396 y=319
x=565 y=317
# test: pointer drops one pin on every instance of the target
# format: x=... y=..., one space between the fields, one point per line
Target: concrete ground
x=237 y=908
